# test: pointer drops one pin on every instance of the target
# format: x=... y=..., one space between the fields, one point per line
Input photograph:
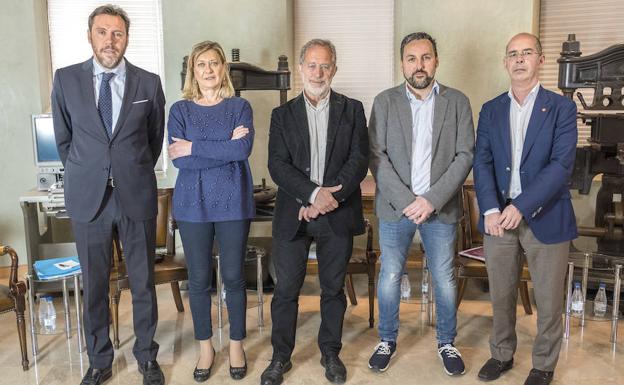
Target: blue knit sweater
x=214 y=183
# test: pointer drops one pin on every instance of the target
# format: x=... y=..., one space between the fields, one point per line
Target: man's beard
x=419 y=84
x=107 y=61
x=316 y=92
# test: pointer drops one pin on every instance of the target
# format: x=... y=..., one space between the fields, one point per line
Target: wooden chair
x=171 y=270
x=470 y=237
x=362 y=261
x=12 y=298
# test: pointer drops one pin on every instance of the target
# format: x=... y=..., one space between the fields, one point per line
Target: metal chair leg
x=259 y=256
x=219 y=293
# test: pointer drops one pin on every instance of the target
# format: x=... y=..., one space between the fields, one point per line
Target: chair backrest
x=165 y=230
x=14 y=262
x=472 y=237
x=164 y=213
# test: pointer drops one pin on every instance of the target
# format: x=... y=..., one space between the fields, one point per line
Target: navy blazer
x=89 y=155
x=545 y=168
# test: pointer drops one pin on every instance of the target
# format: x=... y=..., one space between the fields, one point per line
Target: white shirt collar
x=532 y=94
x=434 y=91
x=120 y=70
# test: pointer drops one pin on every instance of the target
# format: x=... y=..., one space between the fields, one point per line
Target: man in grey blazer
x=109 y=125
x=421 y=139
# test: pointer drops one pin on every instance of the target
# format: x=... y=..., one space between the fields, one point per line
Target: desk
x=47 y=236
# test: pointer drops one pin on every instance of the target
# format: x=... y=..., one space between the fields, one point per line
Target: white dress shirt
x=318 y=120
x=422 y=127
x=519 y=117
x=117 y=83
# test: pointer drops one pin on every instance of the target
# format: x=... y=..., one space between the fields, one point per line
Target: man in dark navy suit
x=526 y=144
x=109 y=124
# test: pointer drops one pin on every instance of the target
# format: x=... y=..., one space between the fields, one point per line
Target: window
x=68 y=25
x=363 y=33
x=597 y=25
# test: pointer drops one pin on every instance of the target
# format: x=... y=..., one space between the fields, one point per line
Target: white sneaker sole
x=446 y=371
x=381 y=370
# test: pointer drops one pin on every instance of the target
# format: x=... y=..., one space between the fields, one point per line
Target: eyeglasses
x=523 y=54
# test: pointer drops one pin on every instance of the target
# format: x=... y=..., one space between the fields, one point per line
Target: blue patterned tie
x=105 y=103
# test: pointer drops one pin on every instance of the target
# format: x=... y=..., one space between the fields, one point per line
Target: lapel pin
x=543 y=109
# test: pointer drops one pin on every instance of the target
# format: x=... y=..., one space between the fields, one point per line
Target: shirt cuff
x=313 y=195
x=491 y=211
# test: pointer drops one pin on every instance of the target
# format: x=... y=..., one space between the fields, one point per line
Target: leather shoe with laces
x=274 y=373
x=96 y=376
x=152 y=374
x=335 y=370
x=539 y=377
x=493 y=369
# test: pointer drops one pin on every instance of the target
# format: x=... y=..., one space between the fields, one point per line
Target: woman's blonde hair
x=191 y=87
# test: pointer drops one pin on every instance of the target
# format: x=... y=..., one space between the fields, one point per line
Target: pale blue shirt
x=117 y=83
x=422 y=128
x=519 y=117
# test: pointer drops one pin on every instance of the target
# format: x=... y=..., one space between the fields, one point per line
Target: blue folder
x=57 y=267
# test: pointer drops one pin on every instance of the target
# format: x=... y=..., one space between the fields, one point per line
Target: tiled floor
x=587 y=358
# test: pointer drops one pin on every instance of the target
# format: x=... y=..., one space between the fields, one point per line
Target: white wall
x=24 y=90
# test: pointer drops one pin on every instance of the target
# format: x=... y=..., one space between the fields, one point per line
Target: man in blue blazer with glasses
x=524 y=156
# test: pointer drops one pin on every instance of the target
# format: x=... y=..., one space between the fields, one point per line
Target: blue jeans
x=395 y=239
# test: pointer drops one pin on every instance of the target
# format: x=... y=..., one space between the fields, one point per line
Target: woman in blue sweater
x=211 y=135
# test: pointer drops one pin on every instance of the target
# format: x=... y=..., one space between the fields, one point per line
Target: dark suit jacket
x=546 y=164
x=391 y=152
x=346 y=163
x=88 y=154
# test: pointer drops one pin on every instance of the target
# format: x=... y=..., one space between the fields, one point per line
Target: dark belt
x=110 y=182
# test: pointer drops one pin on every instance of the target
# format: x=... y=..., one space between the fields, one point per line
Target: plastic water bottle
x=600 y=302
x=425 y=285
x=578 y=304
x=406 y=288
x=47 y=314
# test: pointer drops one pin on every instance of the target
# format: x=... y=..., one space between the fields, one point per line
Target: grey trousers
x=547 y=265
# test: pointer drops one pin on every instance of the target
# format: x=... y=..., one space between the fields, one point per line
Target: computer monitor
x=46 y=154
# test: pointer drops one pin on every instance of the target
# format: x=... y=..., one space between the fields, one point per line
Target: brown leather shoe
x=493 y=369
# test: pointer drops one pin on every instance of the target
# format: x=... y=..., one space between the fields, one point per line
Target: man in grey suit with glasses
x=109 y=126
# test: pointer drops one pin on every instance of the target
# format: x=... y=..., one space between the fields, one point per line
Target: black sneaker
x=451 y=359
x=380 y=360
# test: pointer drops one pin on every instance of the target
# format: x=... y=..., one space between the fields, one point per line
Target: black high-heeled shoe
x=201 y=375
x=240 y=372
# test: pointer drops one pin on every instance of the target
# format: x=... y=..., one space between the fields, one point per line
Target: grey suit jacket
x=390 y=135
x=87 y=152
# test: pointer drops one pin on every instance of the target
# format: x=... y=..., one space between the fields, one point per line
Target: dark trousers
x=198 y=239
x=290 y=259
x=94 y=244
